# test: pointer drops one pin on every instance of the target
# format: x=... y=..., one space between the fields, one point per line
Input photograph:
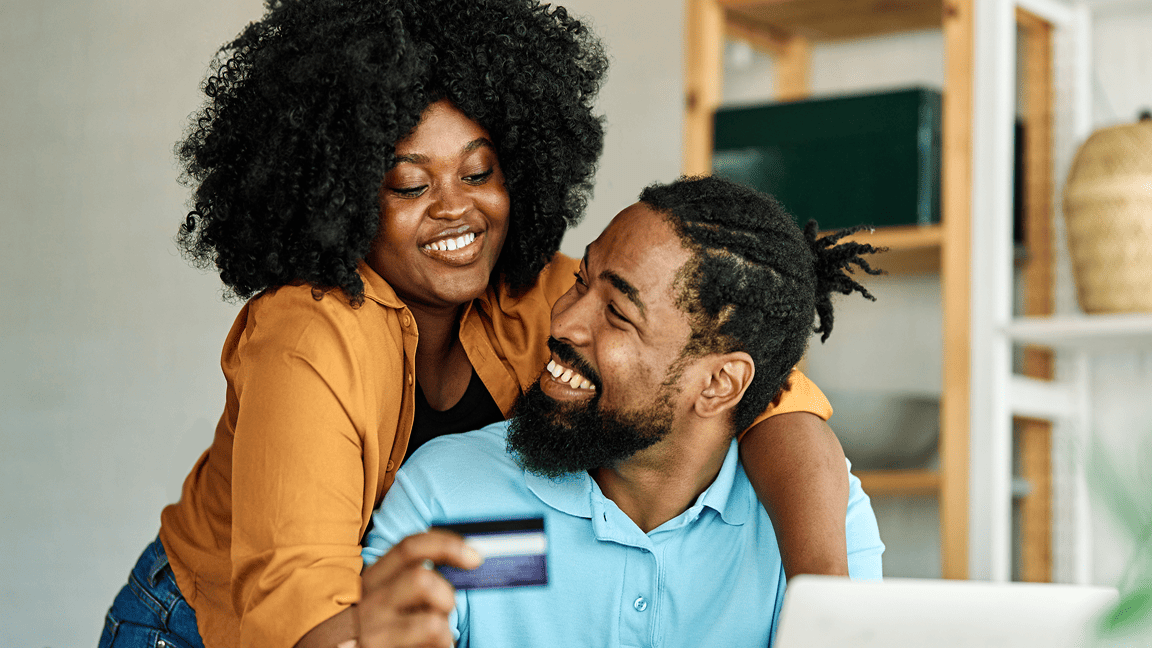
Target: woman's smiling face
x=443 y=212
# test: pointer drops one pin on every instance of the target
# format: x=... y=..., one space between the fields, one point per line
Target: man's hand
x=404 y=602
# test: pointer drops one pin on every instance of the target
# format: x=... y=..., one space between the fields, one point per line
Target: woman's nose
x=452 y=202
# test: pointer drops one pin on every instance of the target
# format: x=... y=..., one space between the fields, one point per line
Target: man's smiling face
x=611 y=387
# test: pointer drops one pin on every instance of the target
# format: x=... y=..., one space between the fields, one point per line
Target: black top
x=475 y=409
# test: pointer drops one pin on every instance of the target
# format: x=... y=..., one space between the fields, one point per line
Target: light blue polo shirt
x=711 y=576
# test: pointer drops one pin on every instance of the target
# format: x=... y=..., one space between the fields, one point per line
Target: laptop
x=912 y=613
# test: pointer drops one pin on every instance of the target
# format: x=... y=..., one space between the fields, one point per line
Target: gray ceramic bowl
x=881 y=430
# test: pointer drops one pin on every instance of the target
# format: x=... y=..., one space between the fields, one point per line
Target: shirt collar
x=727 y=494
x=376 y=288
x=569 y=494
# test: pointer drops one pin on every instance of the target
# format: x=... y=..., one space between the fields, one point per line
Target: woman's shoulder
x=302 y=304
x=317 y=322
x=552 y=282
x=559 y=271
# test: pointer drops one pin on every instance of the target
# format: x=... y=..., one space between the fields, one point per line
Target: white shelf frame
x=1093 y=333
x=996 y=393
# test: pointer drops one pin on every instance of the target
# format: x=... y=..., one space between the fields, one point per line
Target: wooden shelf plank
x=912 y=249
x=900 y=482
x=826 y=20
x=905 y=237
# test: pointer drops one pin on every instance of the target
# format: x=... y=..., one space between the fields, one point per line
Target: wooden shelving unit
x=786 y=29
x=878 y=483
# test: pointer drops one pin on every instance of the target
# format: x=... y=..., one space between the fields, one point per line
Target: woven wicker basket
x=1108 y=212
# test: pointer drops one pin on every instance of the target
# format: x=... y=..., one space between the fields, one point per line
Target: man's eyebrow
x=628 y=289
x=420 y=158
x=620 y=283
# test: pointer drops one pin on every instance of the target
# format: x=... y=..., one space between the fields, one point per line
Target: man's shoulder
x=457 y=458
x=469 y=476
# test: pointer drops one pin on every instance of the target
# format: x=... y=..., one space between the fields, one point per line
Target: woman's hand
x=404 y=601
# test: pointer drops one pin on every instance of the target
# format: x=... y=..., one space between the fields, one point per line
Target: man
x=687 y=316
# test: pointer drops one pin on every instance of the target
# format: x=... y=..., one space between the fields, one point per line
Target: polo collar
x=571 y=494
x=728 y=494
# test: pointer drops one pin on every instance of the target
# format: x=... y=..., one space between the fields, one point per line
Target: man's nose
x=571 y=318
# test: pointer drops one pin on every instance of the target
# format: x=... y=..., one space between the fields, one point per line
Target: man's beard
x=554 y=438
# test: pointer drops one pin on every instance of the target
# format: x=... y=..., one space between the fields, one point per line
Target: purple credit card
x=515 y=553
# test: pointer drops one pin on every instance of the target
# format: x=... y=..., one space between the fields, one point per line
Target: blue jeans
x=150 y=611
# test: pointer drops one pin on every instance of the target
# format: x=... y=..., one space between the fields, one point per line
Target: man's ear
x=728 y=379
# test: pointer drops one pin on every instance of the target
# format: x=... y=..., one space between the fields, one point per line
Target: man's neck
x=661 y=482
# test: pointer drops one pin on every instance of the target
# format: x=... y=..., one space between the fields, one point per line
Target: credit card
x=515 y=553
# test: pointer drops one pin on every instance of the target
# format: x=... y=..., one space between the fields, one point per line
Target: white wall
x=642 y=103
x=109 y=343
x=110 y=382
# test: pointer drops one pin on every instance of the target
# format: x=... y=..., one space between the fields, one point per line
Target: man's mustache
x=571 y=358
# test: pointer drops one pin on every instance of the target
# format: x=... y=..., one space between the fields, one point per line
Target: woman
x=477 y=116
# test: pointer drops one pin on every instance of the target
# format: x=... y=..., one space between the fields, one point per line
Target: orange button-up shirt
x=265 y=540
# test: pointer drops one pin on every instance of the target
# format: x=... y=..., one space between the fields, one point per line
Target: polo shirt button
x=391 y=465
x=409 y=379
x=640 y=604
x=407 y=320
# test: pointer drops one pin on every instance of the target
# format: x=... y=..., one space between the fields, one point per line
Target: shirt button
x=409 y=379
x=391 y=465
x=407 y=320
x=640 y=604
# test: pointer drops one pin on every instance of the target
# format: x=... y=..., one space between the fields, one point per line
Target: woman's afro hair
x=305 y=106
x=756 y=281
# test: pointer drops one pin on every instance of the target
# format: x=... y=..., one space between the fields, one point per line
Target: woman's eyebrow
x=412 y=158
x=420 y=158
x=479 y=142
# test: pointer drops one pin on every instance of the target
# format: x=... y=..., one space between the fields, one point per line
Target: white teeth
x=564 y=375
x=445 y=245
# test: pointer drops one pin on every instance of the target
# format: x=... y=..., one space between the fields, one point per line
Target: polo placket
x=639 y=584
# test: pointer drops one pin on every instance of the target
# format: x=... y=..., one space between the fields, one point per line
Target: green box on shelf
x=869 y=159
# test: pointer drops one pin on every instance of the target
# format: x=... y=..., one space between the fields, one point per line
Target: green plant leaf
x=1116 y=493
x=1133 y=607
